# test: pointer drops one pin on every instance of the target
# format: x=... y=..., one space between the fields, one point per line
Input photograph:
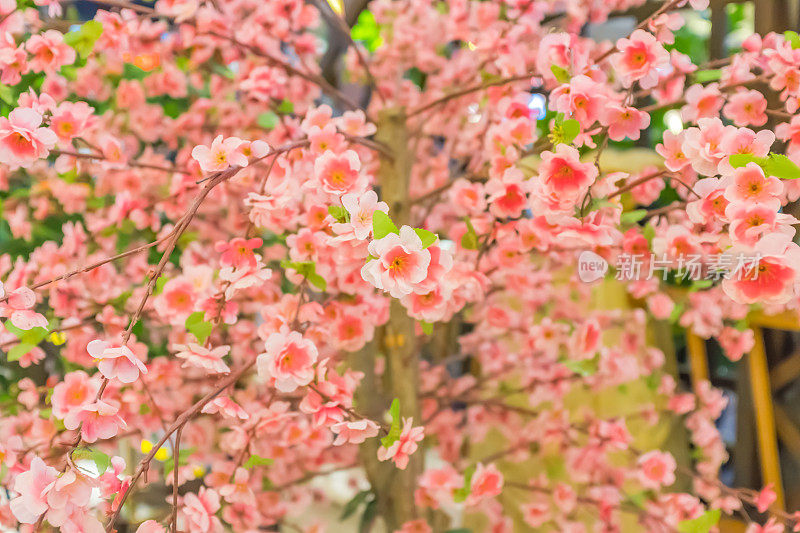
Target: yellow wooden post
x=698 y=362
x=765 y=416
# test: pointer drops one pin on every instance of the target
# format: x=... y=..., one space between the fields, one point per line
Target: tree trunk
x=394 y=488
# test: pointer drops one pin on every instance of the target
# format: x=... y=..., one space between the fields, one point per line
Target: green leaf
x=701 y=524
x=428 y=238
x=368 y=517
x=469 y=241
x=649 y=232
x=355 y=502
x=160 y=282
x=777 y=165
x=267 y=120
x=317 y=281
x=782 y=167
x=198 y=327
x=17 y=352
x=28 y=340
x=257 y=460
x=582 y=367
x=461 y=494
x=286 y=107
x=704 y=76
x=394 y=429
x=793 y=38
x=561 y=74
x=569 y=130
x=367 y=31
x=339 y=213
x=101 y=460
x=564 y=130
x=382 y=225
x=459 y=530
x=632 y=217
x=740 y=160
x=308 y=270
x=223 y=70
x=427 y=327
x=83 y=39
x=638 y=498
x=7 y=94
x=132 y=72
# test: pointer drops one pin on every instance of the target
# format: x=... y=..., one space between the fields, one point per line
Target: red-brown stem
x=182 y=419
x=468 y=90
x=175 y=464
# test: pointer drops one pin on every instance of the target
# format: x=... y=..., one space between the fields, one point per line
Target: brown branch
x=182 y=419
x=468 y=90
x=101 y=157
x=176 y=450
x=321 y=82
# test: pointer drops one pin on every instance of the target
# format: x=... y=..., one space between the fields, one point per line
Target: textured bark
x=394 y=488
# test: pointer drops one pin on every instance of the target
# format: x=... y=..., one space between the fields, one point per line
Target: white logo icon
x=591 y=266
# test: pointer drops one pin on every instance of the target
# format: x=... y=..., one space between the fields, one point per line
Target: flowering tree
x=226 y=274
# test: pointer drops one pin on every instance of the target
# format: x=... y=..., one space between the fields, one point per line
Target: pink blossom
x=656 y=469
x=401 y=262
x=150 y=526
x=96 y=420
x=711 y=205
x=582 y=99
x=49 y=51
x=71 y=394
x=770 y=275
x=746 y=108
x=199 y=511
x=401 y=449
x=33 y=486
x=220 y=155
x=238 y=253
x=209 y=359
x=660 y=305
x=507 y=195
x=116 y=361
x=22 y=140
x=469 y=198
x=19 y=306
x=702 y=145
x=765 y=498
x=749 y=222
x=745 y=141
x=355 y=123
x=354 y=432
x=748 y=184
x=702 y=102
x=360 y=208
x=289 y=359
x=624 y=122
x=13 y=61
x=339 y=173
x=563 y=175
x=536 y=513
x=226 y=406
x=640 y=58
x=70 y=119
x=72 y=489
x=255 y=149
x=486 y=482
x=671 y=149
x=177 y=300
x=772 y=526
